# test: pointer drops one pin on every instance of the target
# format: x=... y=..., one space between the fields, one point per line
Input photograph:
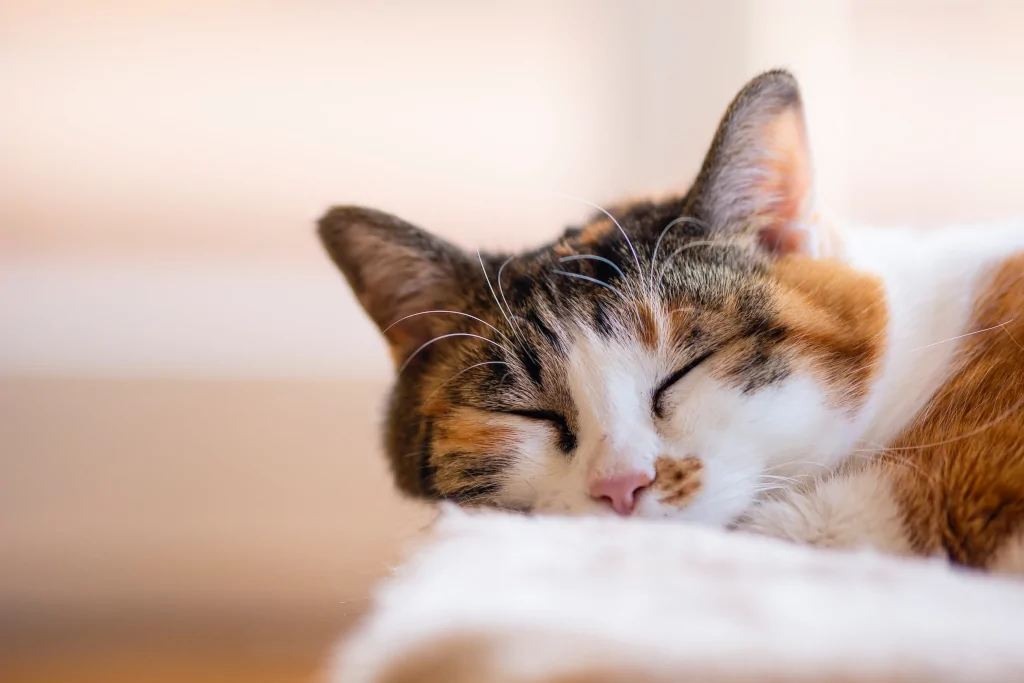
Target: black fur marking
x=499 y=378
x=761 y=369
x=601 y=322
x=483 y=468
x=535 y=321
x=517 y=286
x=531 y=363
x=601 y=269
x=571 y=232
x=765 y=331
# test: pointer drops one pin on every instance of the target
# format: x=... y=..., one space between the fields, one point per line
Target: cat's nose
x=620 y=489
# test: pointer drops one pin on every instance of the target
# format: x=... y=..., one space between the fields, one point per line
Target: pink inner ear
x=786 y=189
x=783 y=239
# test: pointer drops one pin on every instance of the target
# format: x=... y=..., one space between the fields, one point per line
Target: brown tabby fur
x=718 y=271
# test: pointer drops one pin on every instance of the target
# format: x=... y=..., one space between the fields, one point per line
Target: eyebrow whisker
x=618 y=225
x=491 y=287
x=467 y=315
x=602 y=259
x=515 y=326
x=657 y=245
x=602 y=283
x=475 y=365
x=448 y=336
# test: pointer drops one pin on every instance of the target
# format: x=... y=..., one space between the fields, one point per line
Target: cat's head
x=676 y=358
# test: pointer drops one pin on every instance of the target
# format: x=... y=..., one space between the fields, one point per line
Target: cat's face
x=668 y=359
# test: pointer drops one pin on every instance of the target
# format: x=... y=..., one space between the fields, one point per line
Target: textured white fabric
x=495 y=598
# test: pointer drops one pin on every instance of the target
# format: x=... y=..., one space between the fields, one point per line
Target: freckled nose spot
x=678 y=480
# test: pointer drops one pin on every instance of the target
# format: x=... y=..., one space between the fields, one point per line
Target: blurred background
x=190 y=482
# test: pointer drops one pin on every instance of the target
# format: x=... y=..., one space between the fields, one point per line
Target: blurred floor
x=199 y=657
x=180 y=530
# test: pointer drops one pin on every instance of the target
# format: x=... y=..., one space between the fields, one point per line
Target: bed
x=504 y=598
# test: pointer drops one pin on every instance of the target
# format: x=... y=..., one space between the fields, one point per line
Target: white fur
x=1010 y=558
x=747 y=441
x=513 y=599
x=931 y=281
x=848 y=510
x=739 y=437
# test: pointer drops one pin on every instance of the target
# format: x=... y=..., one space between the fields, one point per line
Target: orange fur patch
x=836 y=317
x=958 y=470
x=469 y=429
x=595 y=232
x=647 y=327
x=679 y=480
x=475 y=436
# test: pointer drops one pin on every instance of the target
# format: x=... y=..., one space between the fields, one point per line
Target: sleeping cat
x=725 y=356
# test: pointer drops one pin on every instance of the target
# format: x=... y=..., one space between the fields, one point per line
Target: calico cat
x=725 y=356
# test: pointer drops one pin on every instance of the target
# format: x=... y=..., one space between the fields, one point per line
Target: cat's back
x=940 y=471
x=958 y=469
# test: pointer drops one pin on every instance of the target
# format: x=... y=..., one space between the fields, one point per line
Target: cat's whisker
x=882 y=458
x=475 y=499
x=789 y=480
x=427 y=400
x=448 y=336
x=467 y=315
x=618 y=225
x=974 y=432
x=581 y=276
x=768 y=489
x=657 y=245
x=413 y=454
x=491 y=287
x=515 y=327
x=1013 y=339
x=969 y=334
x=594 y=257
x=790 y=463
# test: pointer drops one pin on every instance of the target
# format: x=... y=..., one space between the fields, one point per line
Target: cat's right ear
x=396 y=270
x=757 y=176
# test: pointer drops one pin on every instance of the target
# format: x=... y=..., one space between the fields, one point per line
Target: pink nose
x=620 y=489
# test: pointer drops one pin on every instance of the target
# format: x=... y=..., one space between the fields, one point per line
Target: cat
x=726 y=356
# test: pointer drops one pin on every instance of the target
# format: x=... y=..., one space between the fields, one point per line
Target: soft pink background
x=189 y=395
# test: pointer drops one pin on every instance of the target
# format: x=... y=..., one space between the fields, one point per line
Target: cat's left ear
x=757 y=176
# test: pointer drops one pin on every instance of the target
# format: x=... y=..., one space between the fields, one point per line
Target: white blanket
x=495 y=598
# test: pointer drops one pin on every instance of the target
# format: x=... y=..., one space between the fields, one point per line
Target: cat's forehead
x=641 y=250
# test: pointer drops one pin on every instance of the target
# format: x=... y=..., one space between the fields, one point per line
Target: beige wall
x=188 y=395
x=221 y=130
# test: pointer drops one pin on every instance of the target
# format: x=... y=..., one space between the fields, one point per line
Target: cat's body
x=725 y=357
x=939 y=466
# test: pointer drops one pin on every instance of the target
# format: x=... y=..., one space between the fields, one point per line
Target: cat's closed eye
x=656 y=399
x=566 y=437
